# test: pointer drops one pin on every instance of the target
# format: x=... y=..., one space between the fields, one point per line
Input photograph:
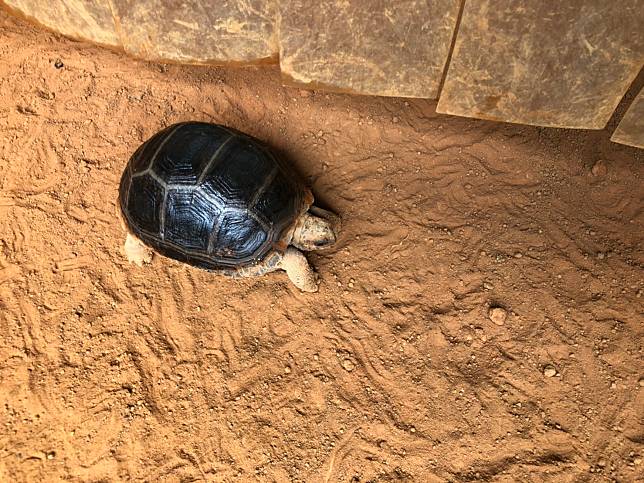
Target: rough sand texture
x=393 y=371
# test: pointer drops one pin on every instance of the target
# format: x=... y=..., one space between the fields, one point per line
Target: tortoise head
x=316 y=229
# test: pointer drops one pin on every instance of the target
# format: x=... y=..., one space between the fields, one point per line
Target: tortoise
x=218 y=199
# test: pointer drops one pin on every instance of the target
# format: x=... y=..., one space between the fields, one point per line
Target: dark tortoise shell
x=210 y=196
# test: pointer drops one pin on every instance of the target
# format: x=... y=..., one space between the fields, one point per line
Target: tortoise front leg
x=298 y=270
x=292 y=261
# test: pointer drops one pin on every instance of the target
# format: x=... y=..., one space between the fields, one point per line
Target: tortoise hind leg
x=136 y=252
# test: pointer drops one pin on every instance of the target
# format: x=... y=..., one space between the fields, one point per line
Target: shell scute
x=239 y=235
x=187 y=153
x=147 y=195
x=190 y=217
x=239 y=172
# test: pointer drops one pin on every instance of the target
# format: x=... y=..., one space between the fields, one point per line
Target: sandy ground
x=394 y=371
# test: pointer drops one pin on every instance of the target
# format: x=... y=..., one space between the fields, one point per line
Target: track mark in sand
x=114 y=284
x=20 y=231
x=566 y=244
x=78 y=214
x=339 y=448
x=377 y=376
x=252 y=375
x=283 y=327
x=30 y=327
x=102 y=427
x=171 y=320
x=459 y=140
x=358 y=339
x=6 y=201
x=99 y=216
x=377 y=447
x=459 y=197
x=209 y=451
x=180 y=465
x=192 y=459
x=9 y=273
x=268 y=367
x=228 y=331
x=74 y=263
x=32 y=332
x=443 y=171
x=145 y=361
x=230 y=343
x=549 y=462
x=183 y=289
x=29 y=182
x=51 y=175
x=33 y=133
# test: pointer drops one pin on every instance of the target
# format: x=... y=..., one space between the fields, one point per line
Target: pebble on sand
x=348 y=365
x=549 y=371
x=498 y=315
x=599 y=168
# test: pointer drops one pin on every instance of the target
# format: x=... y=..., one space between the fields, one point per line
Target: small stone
x=641 y=382
x=637 y=461
x=518 y=255
x=51 y=455
x=348 y=365
x=287 y=370
x=498 y=315
x=599 y=168
x=600 y=256
x=305 y=93
x=549 y=371
x=488 y=286
x=601 y=463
